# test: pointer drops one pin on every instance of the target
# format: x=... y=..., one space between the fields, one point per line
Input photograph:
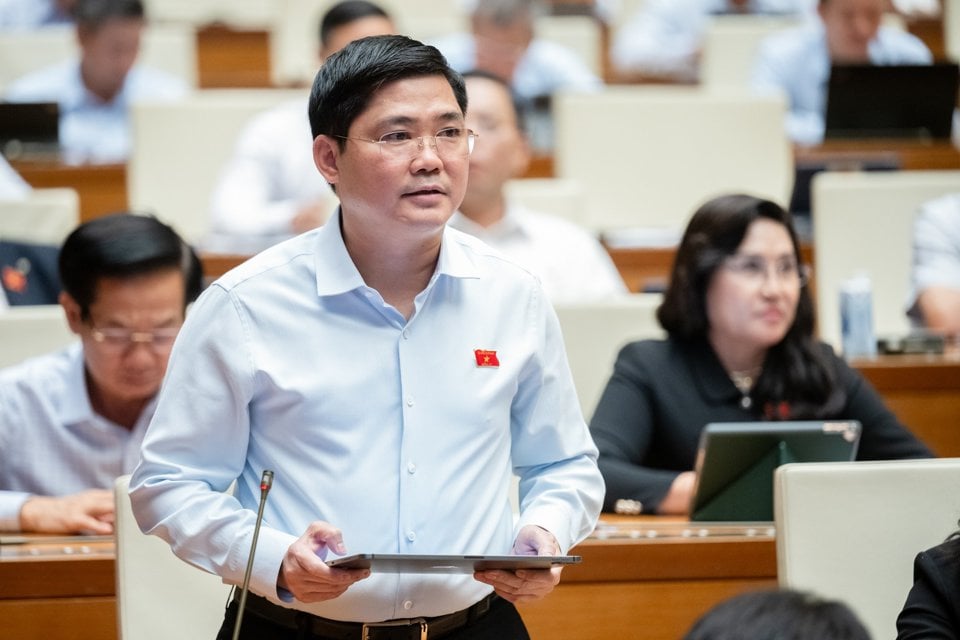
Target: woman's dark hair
x=778 y=615
x=797 y=381
x=124 y=245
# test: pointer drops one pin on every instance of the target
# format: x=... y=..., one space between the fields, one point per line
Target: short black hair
x=518 y=109
x=346 y=82
x=92 y=14
x=343 y=13
x=779 y=615
x=124 y=245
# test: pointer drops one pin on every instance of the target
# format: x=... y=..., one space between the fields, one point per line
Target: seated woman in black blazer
x=932 y=610
x=740 y=347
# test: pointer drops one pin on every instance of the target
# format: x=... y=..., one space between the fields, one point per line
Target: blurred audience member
x=96 y=91
x=797 y=62
x=935 y=278
x=571 y=264
x=270 y=189
x=72 y=421
x=932 y=609
x=31 y=14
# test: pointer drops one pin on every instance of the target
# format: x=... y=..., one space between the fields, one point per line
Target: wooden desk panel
x=228 y=57
x=910 y=154
x=102 y=188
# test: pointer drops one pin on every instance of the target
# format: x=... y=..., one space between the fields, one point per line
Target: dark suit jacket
x=28 y=273
x=932 y=610
x=664 y=392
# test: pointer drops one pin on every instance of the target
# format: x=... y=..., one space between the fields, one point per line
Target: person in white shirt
x=96 y=91
x=572 y=264
x=664 y=38
x=797 y=62
x=935 y=277
x=395 y=374
x=31 y=14
x=269 y=190
x=72 y=421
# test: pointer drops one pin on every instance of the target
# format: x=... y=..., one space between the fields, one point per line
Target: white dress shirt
x=92 y=130
x=387 y=428
x=796 y=62
x=664 y=37
x=936 y=249
x=30 y=14
x=52 y=443
x=270 y=176
x=572 y=265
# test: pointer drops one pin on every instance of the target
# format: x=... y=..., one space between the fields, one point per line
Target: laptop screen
x=29 y=127
x=892 y=101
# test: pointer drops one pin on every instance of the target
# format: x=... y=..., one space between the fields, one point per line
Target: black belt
x=402 y=629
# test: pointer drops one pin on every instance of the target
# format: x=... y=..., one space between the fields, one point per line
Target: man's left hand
x=526 y=585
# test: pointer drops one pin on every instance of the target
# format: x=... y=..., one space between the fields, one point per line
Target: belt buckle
x=367 y=626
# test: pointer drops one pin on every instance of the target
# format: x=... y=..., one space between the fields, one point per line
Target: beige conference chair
x=730 y=46
x=851 y=530
x=45 y=216
x=557 y=196
x=594 y=332
x=179 y=149
x=863 y=222
x=160 y=596
x=28 y=331
x=649 y=156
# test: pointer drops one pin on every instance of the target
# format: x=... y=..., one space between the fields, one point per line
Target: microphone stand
x=266 y=481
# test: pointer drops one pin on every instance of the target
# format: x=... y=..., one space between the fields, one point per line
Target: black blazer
x=932 y=610
x=664 y=392
x=28 y=273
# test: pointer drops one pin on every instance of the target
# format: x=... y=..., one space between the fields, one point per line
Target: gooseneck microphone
x=266 y=481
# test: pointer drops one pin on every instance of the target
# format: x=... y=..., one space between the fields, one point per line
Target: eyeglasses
x=120 y=340
x=452 y=142
x=756 y=269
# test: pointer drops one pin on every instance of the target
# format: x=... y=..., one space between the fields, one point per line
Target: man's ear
x=326 y=155
x=72 y=310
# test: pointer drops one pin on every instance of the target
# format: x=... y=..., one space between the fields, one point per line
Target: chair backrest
x=730 y=46
x=251 y=14
x=594 y=332
x=579 y=33
x=558 y=196
x=160 y=596
x=171 y=48
x=179 y=149
x=649 y=156
x=851 y=530
x=45 y=216
x=27 y=331
x=863 y=221
x=951 y=28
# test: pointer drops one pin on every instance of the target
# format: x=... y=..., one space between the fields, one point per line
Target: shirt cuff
x=10 y=504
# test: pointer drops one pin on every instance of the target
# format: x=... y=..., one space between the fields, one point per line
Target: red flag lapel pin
x=486 y=358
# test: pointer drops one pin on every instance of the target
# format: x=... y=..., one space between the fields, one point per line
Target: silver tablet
x=407 y=563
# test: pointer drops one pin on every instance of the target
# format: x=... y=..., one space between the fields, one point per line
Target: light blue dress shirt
x=92 y=130
x=31 y=14
x=797 y=63
x=936 y=249
x=386 y=428
x=51 y=441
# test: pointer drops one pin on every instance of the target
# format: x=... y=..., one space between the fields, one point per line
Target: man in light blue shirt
x=72 y=421
x=31 y=14
x=393 y=372
x=797 y=62
x=96 y=91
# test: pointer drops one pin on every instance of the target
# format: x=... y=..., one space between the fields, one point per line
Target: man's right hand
x=90 y=511
x=303 y=571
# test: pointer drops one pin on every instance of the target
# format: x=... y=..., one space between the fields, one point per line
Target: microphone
x=266 y=481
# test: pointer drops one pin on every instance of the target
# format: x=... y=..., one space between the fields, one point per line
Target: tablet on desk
x=408 y=563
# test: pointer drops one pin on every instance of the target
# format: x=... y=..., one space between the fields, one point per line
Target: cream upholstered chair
x=45 y=216
x=160 y=596
x=649 y=156
x=863 y=221
x=179 y=149
x=559 y=196
x=594 y=332
x=850 y=530
x=171 y=48
x=579 y=33
x=730 y=46
x=27 y=331
x=241 y=14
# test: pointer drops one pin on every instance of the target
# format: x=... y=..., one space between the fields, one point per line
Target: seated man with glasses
x=740 y=346
x=72 y=421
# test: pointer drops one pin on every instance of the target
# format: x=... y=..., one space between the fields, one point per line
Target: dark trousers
x=501 y=622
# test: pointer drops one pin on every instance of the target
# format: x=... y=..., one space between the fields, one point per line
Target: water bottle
x=856 y=318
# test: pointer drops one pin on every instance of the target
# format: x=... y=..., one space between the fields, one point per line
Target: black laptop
x=29 y=128
x=892 y=101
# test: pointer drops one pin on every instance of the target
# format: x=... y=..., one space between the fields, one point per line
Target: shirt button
x=408 y=604
x=409 y=401
x=405 y=333
x=411 y=467
x=411 y=536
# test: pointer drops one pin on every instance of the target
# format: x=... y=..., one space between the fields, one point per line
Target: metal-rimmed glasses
x=450 y=142
x=119 y=340
x=756 y=269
